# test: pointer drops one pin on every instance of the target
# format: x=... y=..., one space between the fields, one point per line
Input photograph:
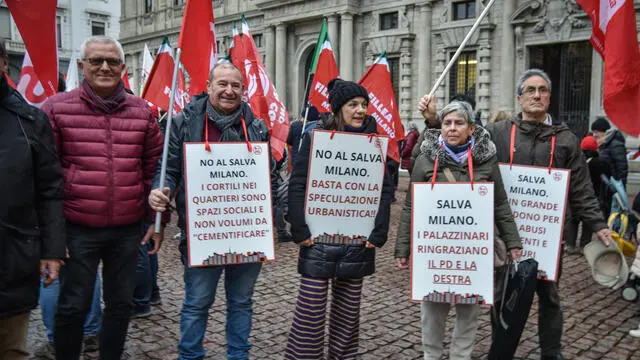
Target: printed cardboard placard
x=538 y=201
x=344 y=185
x=452 y=243
x=228 y=194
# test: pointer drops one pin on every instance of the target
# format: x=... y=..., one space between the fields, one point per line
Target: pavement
x=596 y=324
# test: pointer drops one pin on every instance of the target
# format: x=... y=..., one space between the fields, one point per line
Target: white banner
x=344 y=185
x=228 y=194
x=538 y=201
x=452 y=243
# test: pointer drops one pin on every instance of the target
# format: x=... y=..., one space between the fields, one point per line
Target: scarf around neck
x=458 y=153
x=226 y=123
x=110 y=102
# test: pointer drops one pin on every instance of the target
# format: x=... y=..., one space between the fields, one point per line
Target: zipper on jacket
x=110 y=191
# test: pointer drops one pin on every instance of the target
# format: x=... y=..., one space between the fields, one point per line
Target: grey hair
x=223 y=65
x=529 y=73
x=461 y=108
x=104 y=40
x=412 y=126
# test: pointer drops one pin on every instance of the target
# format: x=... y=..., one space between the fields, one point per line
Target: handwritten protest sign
x=538 y=202
x=344 y=185
x=452 y=243
x=228 y=193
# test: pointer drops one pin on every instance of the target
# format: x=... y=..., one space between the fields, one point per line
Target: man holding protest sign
x=338 y=221
x=216 y=118
x=459 y=152
x=529 y=140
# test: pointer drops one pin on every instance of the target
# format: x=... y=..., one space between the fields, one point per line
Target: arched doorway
x=304 y=57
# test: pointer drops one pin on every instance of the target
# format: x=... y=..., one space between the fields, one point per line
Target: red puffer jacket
x=108 y=159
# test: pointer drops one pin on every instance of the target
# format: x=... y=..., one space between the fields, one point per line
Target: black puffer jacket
x=614 y=152
x=324 y=260
x=188 y=126
x=31 y=215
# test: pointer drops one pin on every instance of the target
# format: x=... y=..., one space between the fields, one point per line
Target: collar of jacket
x=5 y=89
x=611 y=135
x=195 y=111
x=482 y=150
x=86 y=97
x=539 y=129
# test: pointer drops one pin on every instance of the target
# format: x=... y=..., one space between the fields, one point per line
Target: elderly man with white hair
x=109 y=145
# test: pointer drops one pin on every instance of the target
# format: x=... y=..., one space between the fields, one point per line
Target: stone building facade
x=419 y=38
x=75 y=21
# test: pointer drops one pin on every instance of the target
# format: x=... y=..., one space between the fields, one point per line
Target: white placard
x=452 y=243
x=344 y=185
x=538 y=201
x=228 y=194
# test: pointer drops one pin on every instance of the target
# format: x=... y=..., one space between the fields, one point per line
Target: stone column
x=281 y=60
x=346 y=46
x=507 y=57
x=595 y=101
x=270 y=43
x=424 y=50
x=332 y=25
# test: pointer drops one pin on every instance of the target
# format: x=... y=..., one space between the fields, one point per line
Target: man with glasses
x=109 y=145
x=534 y=131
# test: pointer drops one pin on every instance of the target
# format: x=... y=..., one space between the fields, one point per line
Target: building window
x=389 y=21
x=257 y=38
x=463 y=75
x=148 y=6
x=5 y=23
x=97 y=28
x=394 y=68
x=59 y=31
x=464 y=10
x=178 y=2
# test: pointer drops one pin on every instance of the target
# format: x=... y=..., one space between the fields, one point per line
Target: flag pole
x=304 y=123
x=461 y=47
x=167 y=133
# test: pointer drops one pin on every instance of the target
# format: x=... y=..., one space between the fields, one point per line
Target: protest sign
x=538 y=200
x=228 y=194
x=344 y=185
x=452 y=243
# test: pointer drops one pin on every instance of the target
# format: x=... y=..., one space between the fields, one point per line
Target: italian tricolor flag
x=323 y=69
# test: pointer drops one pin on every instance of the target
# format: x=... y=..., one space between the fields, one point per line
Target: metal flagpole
x=462 y=45
x=304 y=123
x=167 y=133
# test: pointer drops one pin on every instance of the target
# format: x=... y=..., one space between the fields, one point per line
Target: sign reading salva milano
x=344 y=185
x=452 y=243
x=538 y=200
x=229 y=214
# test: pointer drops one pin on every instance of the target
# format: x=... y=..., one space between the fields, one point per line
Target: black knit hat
x=341 y=91
x=601 y=124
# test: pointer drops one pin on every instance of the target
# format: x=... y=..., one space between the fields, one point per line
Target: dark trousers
x=549 y=317
x=117 y=247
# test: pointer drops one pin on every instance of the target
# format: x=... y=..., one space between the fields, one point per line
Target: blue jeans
x=200 y=292
x=144 y=287
x=49 y=303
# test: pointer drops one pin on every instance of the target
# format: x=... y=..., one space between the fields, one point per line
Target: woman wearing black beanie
x=343 y=265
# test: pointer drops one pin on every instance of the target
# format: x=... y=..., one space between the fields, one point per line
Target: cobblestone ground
x=596 y=324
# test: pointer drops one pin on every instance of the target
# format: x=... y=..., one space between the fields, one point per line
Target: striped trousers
x=306 y=337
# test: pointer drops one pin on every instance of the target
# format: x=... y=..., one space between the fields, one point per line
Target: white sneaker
x=635 y=332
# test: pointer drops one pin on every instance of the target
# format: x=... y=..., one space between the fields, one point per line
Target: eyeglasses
x=531 y=90
x=112 y=62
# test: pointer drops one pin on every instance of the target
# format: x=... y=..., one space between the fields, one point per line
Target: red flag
x=259 y=90
x=326 y=70
x=158 y=87
x=615 y=38
x=36 y=21
x=9 y=81
x=382 y=103
x=29 y=85
x=125 y=79
x=198 y=43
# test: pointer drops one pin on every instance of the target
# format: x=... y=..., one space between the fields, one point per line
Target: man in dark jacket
x=532 y=147
x=222 y=112
x=109 y=145
x=31 y=222
x=612 y=148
